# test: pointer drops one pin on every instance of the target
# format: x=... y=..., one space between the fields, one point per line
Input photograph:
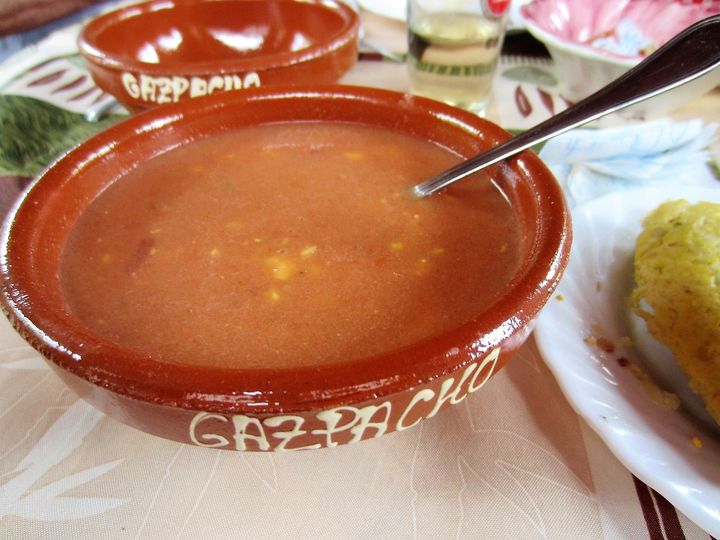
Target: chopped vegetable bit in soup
x=286 y=245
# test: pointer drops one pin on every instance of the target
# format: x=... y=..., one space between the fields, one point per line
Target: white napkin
x=592 y=162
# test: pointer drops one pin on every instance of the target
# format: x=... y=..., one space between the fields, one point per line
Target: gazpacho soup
x=286 y=245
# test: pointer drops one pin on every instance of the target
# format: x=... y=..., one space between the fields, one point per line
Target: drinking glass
x=453 y=49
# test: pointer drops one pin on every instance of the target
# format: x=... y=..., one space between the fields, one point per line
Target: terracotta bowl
x=289 y=408
x=165 y=51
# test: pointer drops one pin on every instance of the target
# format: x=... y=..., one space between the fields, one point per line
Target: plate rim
x=691 y=506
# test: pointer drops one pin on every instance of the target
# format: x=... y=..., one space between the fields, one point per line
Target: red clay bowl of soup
x=164 y=51
x=249 y=271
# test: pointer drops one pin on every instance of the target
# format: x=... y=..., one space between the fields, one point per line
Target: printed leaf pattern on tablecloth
x=533 y=87
x=16 y=354
x=34 y=133
x=47 y=503
x=531 y=74
x=491 y=465
x=62 y=80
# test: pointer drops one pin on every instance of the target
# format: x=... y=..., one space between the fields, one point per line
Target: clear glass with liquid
x=453 y=49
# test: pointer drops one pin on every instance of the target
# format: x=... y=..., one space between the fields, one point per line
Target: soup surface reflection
x=285 y=245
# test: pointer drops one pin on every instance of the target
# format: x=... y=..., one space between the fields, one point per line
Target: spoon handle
x=689 y=55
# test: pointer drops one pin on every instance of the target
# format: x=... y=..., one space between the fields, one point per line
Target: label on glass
x=495 y=8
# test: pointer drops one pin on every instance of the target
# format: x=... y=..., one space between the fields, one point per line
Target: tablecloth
x=512 y=461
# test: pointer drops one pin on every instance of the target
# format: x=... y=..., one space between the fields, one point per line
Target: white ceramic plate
x=655 y=443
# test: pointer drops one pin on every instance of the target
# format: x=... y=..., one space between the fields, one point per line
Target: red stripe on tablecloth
x=79 y=80
x=47 y=79
x=648 y=509
x=669 y=517
x=371 y=56
x=45 y=63
x=84 y=94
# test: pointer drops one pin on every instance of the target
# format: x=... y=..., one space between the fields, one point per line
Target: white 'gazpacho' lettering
x=170 y=89
x=355 y=421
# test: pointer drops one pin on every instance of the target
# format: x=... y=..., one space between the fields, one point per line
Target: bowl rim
x=347 y=30
x=584 y=51
x=215 y=389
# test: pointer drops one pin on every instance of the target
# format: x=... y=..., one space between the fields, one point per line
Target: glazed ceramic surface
x=675 y=451
x=593 y=42
x=166 y=51
x=290 y=408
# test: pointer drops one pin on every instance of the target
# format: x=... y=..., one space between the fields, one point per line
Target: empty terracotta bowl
x=164 y=51
x=281 y=289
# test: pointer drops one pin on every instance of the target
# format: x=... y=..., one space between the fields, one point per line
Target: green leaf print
x=530 y=74
x=77 y=60
x=715 y=168
x=33 y=133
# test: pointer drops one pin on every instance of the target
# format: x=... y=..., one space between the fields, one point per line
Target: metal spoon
x=692 y=53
